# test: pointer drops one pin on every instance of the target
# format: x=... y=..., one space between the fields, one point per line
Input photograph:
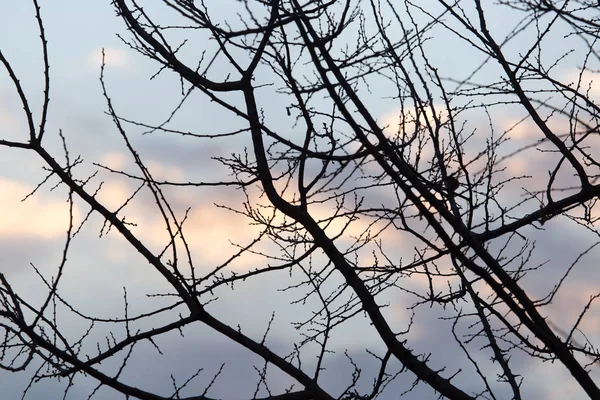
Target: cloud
x=165 y=172
x=114 y=160
x=39 y=217
x=588 y=82
x=113 y=57
x=12 y=123
x=519 y=129
x=8 y=122
x=113 y=194
x=208 y=229
x=399 y=121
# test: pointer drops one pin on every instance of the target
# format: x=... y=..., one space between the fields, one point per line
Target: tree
x=386 y=157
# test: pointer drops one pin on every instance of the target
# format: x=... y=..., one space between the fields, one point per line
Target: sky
x=100 y=264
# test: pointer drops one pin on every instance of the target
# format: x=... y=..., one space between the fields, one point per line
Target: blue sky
x=99 y=268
